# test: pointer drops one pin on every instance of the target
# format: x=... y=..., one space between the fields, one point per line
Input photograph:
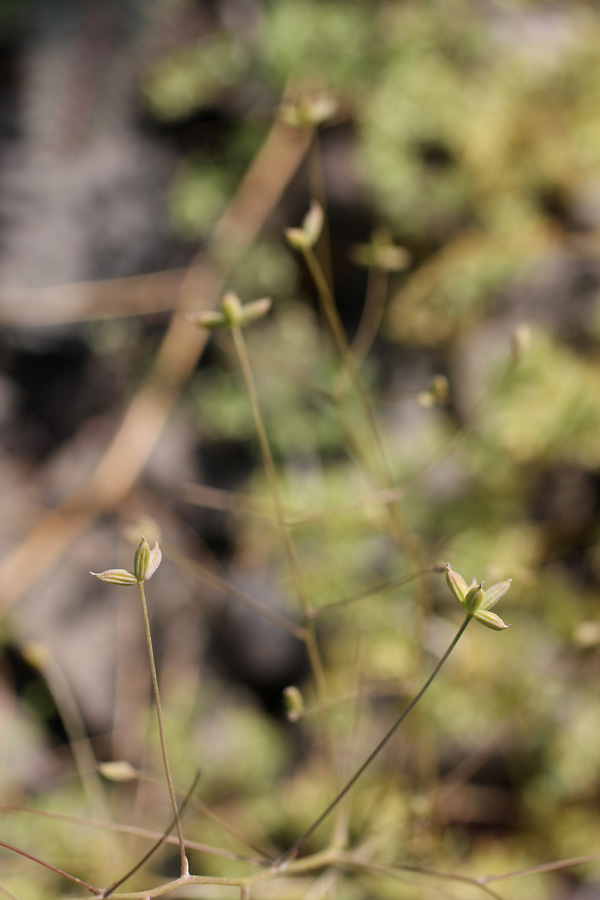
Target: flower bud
x=490 y=620
x=493 y=594
x=307 y=236
x=473 y=598
x=294 y=703
x=308 y=111
x=116 y=576
x=146 y=561
x=381 y=253
x=118 y=770
x=254 y=310
x=457 y=584
x=232 y=308
x=141 y=560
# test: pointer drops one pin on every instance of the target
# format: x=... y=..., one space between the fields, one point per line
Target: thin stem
x=112 y=888
x=382 y=468
x=293 y=850
x=203 y=573
x=316 y=180
x=163 y=745
x=56 y=869
x=309 y=625
x=368 y=592
x=372 y=314
x=554 y=866
x=6 y=893
x=395 y=869
x=134 y=830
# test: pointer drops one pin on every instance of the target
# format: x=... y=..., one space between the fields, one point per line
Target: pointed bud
x=141 y=560
x=473 y=598
x=255 y=310
x=308 y=111
x=297 y=238
x=118 y=770
x=312 y=224
x=381 y=253
x=155 y=560
x=232 y=308
x=457 y=584
x=116 y=576
x=307 y=236
x=493 y=594
x=294 y=703
x=146 y=561
x=490 y=620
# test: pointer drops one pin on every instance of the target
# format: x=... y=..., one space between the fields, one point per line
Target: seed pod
x=474 y=597
x=493 y=594
x=116 y=576
x=457 y=585
x=490 y=620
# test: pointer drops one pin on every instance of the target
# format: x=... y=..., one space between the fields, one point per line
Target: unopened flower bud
x=232 y=308
x=118 y=770
x=294 y=703
x=495 y=593
x=146 y=561
x=141 y=560
x=254 y=310
x=307 y=235
x=490 y=620
x=116 y=576
x=473 y=598
x=457 y=585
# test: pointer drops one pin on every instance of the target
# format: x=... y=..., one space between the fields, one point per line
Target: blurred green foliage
x=474 y=130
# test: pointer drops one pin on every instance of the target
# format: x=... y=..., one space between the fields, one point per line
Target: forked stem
x=185 y=868
x=293 y=850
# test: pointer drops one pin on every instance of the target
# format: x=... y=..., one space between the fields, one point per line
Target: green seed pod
x=116 y=576
x=254 y=310
x=474 y=597
x=232 y=308
x=493 y=594
x=294 y=703
x=490 y=620
x=457 y=585
x=141 y=560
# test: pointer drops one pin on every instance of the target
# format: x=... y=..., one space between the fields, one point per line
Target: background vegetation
x=466 y=134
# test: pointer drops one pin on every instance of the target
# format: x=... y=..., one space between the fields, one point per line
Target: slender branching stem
x=112 y=888
x=372 y=314
x=293 y=850
x=163 y=744
x=341 y=341
x=310 y=640
x=318 y=191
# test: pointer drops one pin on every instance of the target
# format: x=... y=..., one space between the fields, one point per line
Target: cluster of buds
x=308 y=111
x=381 y=253
x=232 y=313
x=145 y=564
x=305 y=237
x=477 y=602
